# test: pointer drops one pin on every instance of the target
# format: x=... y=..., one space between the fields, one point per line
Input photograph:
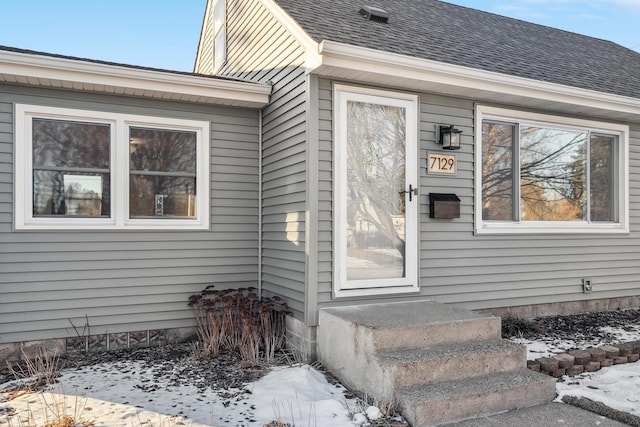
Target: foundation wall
x=565 y=308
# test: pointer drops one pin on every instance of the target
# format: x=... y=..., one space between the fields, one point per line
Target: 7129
x=442 y=163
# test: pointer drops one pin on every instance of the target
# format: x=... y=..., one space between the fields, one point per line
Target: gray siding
x=457 y=266
x=260 y=49
x=325 y=192
x=120 y=281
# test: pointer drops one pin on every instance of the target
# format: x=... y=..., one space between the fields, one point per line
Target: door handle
x=412 y=191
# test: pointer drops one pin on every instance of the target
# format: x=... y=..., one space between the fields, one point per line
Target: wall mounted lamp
x=449 y=137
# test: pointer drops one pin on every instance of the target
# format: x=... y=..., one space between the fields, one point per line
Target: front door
x=376 y=203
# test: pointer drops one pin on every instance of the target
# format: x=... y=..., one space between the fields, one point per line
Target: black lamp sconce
x=448 y=137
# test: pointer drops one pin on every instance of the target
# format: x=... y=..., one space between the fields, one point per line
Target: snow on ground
x=125 y=394
x=547 y=346
x=617 y=386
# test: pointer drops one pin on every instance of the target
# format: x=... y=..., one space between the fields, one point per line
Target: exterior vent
x=374 y=14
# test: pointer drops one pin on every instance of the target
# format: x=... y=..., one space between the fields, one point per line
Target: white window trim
x=119 y=171
x=553 y=227
x=342 y=287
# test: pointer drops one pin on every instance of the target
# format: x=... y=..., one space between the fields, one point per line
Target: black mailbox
x=444 y=206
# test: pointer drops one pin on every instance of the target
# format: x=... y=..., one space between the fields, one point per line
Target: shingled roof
x=439 y=31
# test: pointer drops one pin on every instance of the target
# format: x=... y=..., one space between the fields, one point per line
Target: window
x=219 y=34
x=542 y=173
x=94 y=170
x=162 y=175
x=71 y=173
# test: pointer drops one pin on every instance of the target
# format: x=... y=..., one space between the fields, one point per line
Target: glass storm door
x=376 y=205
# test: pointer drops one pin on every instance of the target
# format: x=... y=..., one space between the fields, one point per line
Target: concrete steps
x=439 y=363
x=458 y=400
x=451 y=362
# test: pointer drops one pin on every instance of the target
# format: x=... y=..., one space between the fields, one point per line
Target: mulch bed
x=584 y=326
x=177 y=362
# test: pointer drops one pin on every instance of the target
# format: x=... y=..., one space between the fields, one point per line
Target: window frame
x=119 y=218
x=592 y=127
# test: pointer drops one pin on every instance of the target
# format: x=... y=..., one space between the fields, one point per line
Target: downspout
x=260 y=203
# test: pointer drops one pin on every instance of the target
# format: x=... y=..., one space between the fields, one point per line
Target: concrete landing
x=409 y=325
x=404 y=314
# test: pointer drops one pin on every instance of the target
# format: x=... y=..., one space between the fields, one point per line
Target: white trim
x=336 y=55
x=41 y=70
x=119 y=171
x=369 y=292
x=341 y=286
x=553 y=227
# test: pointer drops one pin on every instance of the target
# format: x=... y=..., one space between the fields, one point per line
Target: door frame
x=410 y=283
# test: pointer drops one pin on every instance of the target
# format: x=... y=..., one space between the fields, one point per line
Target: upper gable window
x=94 y=170
x=545 y=174
x=219 y=34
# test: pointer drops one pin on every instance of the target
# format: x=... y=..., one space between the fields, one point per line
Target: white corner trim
x=155 y=83
x=336 y=54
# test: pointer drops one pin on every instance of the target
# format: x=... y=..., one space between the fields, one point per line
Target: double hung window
x=540 y=173
x=93 y=170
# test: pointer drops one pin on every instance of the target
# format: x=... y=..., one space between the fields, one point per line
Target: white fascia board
x=40 y=69
x=334 y=54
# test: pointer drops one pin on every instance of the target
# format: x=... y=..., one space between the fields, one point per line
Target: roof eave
x=75 y=74
x=341 y=60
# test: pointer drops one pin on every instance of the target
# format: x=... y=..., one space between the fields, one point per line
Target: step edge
x=415 y=355
x=528 y=378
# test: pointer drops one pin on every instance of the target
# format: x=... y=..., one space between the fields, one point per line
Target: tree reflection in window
x=162 y=179
x=555 y=174
x=497 y=171
x=602 y=181
x=552 y=174
x=376 y=137
x=71 y=168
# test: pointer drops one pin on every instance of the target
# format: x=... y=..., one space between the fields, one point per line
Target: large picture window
x=547 y=174
x=94 y=170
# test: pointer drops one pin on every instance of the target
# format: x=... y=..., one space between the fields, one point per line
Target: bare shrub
x=39 y=376
x=515 y=326
x=236 y=320
x=39 y=371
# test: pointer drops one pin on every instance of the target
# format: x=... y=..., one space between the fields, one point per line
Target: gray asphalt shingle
x=435 y=30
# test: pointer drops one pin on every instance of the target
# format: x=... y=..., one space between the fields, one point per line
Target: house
x=535 y=214
x=313 y=166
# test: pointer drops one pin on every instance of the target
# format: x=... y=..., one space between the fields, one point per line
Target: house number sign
x=441 y=164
